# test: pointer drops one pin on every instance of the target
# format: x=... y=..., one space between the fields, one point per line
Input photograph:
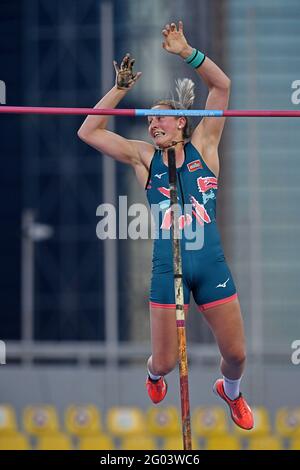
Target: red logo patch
x=195 y=165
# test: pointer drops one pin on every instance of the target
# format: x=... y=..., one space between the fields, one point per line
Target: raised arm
x=208 y=133
x=94 y=129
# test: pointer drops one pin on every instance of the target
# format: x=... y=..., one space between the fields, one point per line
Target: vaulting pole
x=179 y=300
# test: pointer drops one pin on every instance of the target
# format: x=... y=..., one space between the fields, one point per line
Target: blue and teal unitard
x=205 y=271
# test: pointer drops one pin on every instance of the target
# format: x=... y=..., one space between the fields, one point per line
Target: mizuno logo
x=222 y=285
x=159 y=175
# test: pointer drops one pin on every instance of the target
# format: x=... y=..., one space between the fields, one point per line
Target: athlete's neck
x=179 y=153
x=177 y=145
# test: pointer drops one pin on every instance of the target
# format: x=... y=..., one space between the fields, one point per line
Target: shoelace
x=240 y=406
x=160 y=385
x=157 y=385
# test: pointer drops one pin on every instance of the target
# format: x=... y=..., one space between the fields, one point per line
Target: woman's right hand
x=125 y=78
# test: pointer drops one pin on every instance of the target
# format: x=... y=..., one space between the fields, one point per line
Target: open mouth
x=158 y=134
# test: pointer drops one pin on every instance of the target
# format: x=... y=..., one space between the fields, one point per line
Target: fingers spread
x=125 y=78
x=125 y=61
x=117 y=69
x=135 y=78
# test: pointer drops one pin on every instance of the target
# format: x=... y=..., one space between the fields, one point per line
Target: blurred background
x=74 y=309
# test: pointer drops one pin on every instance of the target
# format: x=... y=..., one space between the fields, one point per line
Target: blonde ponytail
x=185 y=92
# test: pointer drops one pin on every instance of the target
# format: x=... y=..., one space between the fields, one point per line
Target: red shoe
x=240 y=411
x=157 y=389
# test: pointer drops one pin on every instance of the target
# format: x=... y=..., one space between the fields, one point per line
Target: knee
x=163 y=365
x=236 y=357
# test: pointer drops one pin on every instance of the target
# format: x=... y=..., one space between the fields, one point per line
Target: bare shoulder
x=145 y=151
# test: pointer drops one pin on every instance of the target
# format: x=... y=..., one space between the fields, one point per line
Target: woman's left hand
x=174 y=39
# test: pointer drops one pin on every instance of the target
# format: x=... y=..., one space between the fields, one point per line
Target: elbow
x=86 y=135
x=225 y=88
x=221 y=87
x=228 y=84
x=81 y=134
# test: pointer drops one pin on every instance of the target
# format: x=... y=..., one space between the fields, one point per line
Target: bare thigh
x=227 y=325
x=164 y=338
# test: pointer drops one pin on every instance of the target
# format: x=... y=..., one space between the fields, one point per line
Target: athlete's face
x=165 y=129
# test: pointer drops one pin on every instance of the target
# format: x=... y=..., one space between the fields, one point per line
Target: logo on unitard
x=195 y=165
x=159 y=175
x=222 y=284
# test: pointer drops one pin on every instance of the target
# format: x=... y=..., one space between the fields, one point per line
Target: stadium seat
x=125 y=421
x=262 y=426
x=138 y=443
x=55 y=441
x=14 y=441
x=225 y=442
x=96 y=442
x=40 y=419
x=295 y=443
x=287 y=422
x=163 y=421
x=176 y=443
x=265 y=443
x=209 y=421
x=83 y=420
x=8 y=422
